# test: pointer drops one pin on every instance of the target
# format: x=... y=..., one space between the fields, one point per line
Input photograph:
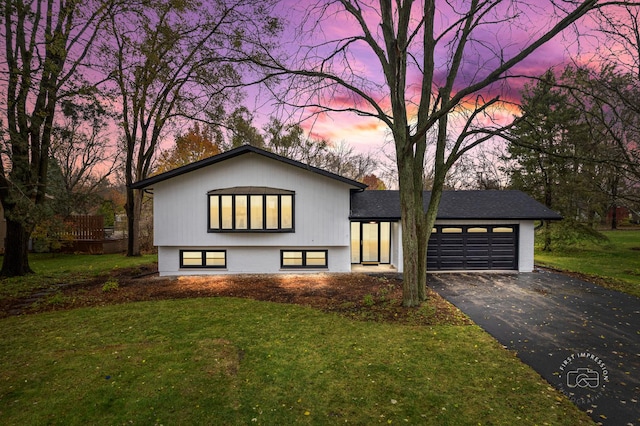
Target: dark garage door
x=473 y=247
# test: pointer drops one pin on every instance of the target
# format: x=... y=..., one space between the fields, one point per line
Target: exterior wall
x=525 y=239
x=251 y=260
x=525 y=246
x=396 y=246
x=321 y=212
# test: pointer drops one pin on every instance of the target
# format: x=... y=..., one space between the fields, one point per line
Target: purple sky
x=368 y=134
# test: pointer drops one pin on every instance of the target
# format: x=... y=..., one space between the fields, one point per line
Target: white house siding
x=525 y=239
x=396 y=246
x=250 y=260
x=321 y=211
x=526 y=246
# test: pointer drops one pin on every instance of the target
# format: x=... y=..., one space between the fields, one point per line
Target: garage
x=473 y=248
x=474 y=230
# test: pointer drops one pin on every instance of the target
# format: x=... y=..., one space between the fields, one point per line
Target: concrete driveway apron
x=582 y=338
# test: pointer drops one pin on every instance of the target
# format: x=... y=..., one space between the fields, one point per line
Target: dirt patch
x=357 y=296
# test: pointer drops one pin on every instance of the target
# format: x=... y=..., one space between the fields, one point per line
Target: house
x=251 y=211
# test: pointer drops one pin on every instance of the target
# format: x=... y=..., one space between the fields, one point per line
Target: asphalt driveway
x=582 y=338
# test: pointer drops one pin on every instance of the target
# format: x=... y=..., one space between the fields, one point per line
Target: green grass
x=54 y=269
x=237 y=361
x=615 y=264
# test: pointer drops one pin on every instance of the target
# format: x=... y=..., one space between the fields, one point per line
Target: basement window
x=203 y=258
x=303 y=258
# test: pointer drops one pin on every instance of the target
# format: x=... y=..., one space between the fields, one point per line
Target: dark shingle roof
x=385 y=205
x=145 y=183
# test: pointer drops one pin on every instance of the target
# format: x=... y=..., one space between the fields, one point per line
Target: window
x=477 y=230
x=203 y=259
x=502 y=230
x=303 y=258
x=452 y=230
x=251 y=209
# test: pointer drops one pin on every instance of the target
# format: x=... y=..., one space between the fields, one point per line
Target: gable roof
x=145 y=183
x=385 y=205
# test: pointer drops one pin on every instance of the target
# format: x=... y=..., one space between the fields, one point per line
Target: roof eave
x=145 y=183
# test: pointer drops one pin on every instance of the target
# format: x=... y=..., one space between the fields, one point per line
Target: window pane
x=227 y=218
x=256 y=212
x=216 y=258
x=452 y=230
x=503 y=230
x=241 y=212
x=370 y=242
x=286 y=211
x=291 y=258
x=272 y=211
x=355 y=242
x=477 y=230
x=214 y=212
x=385 y=242
x=192 y=258
x=316 y=258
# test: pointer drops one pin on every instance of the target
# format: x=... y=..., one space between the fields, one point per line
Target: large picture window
x=303 y=258
x=203 y=259
x=251 y=209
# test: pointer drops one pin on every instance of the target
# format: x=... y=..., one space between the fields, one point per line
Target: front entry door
x=370 y=244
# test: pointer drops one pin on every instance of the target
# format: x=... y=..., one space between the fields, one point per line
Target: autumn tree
x=373 y=182
x=198 y=143
x=433 y=61
x=170 y=60
x=45 y=44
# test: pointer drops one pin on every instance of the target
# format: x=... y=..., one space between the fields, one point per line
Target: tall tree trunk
x=614 y=204
x=133 y=208
x=548 y=201
x=614 y=216
x=414 y=237
x=16 y=257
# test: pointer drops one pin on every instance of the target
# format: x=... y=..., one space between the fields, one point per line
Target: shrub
x=109 y=286
x=568 y=233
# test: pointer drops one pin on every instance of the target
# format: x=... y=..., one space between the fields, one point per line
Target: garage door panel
x=478 y=264
x=478 y=247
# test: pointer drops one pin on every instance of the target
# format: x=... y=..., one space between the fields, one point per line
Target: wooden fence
x=85 y=227
x=86 y=234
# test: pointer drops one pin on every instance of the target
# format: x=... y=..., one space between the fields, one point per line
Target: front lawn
x=55 y=269
x=240 y=361
x=615 y=264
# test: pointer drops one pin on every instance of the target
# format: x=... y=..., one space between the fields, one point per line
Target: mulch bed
x=357 y=296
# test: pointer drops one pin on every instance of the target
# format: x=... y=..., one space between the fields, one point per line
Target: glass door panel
x=385 y=242
x=355 y=242
x=370 y=242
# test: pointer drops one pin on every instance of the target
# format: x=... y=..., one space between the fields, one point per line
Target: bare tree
x=44 y=43
x=432 y=60
x=81 y=147
x=168 y=60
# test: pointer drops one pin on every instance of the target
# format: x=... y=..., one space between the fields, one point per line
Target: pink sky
x=369 y=134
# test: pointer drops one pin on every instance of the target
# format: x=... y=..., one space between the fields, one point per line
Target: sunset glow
x=493 y=40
